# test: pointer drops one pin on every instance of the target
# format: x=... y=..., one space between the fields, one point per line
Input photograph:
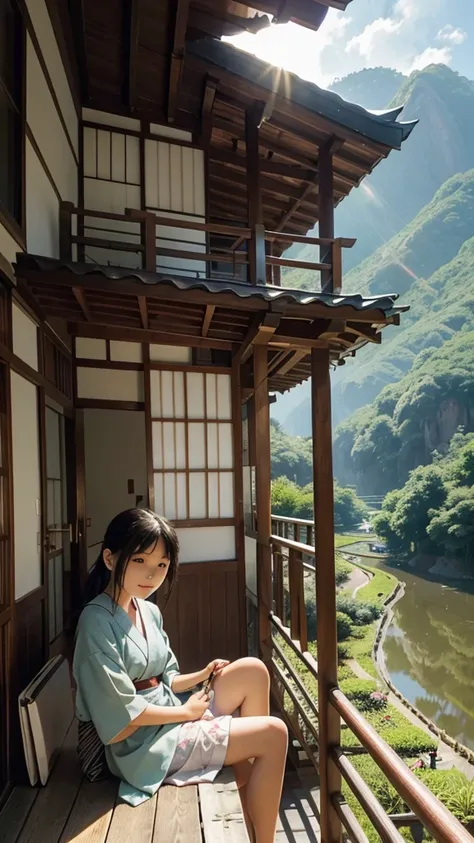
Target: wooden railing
x=162 y=243
x=293 y=567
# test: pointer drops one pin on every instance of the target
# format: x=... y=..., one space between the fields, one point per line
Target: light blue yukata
x=110 y=655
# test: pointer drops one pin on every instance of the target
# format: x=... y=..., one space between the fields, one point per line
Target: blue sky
x=404 y=34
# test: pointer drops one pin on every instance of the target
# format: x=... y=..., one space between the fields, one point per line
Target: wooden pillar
x=326 y=210
x=256 y=245
x=263 y=484
x=329 y=720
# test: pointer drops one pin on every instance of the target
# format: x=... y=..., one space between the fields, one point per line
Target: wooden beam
x=280 y=188
x=260 y=332
x=177 y=56
x=112 y=332
x=208 y=99
x=78 y=23
x=323 y=491
x=143 y=312
x=80 y=297
x=303 y=196
x=292 y=361
x=263 y=501
x=206 y=322
x=130 y=49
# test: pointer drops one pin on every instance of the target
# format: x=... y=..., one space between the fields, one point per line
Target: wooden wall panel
x=30 y=635
x=202 y=618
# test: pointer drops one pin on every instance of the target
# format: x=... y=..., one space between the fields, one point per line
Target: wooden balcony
x=177 y=247
x=294 y=562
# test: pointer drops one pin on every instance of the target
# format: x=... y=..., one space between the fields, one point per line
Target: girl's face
x=145 y=572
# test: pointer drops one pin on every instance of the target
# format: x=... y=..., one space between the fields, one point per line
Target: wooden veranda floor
x=71 y=810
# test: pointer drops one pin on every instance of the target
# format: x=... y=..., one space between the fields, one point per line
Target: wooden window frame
x=15 y=224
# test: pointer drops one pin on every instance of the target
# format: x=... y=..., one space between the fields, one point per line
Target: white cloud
x=432 y=55
x=408 y=35
x=452 y=35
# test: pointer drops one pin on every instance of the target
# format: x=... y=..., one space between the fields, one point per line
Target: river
x=429 y=650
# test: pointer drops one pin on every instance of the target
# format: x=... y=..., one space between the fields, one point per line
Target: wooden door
x=58 y=526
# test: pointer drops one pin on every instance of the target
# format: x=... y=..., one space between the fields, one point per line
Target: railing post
x=263 y=491
x=148 y=227
x=257 y=263
x=65 y=231
x=337 y=266
x=329 y=719
x=278 y=591
x=326 y=210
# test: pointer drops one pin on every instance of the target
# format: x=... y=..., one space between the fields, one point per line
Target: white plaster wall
x=110 y=384
x=92 y=115
x=42 y=208
x=8 y=246
x=206 y=544
x=49 y=47
x=91 y=349
x=43 y=120
x=25 y=337
x=115 y=451
x=26 y=485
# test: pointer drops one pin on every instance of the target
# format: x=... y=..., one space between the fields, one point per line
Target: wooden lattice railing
x=293 y=563
x=137 y=232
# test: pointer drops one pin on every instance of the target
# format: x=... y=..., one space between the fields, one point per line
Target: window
x=11 y=141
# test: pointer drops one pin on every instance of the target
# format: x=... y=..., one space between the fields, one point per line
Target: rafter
x=130 y=50
x=80 y=297
x=206 y=322
x=267 y=165
x=143 y=312
x=208 y=99
x=177 y=56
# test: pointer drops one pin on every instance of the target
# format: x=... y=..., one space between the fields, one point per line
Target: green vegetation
x=292 y=456
x=434 y=511
x=297 y=502
x=410 y=420
x=450 y=786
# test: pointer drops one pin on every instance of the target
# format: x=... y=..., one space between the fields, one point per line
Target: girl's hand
x=215 y=667
x=196 y=706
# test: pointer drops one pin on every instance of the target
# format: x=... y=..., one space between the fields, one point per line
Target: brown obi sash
x=145 y=684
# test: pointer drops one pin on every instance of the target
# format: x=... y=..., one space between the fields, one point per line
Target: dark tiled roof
x=385 y=304
x=379 y=126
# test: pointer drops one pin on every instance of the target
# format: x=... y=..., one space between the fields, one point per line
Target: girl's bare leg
x=243 y=685
x=265 y=739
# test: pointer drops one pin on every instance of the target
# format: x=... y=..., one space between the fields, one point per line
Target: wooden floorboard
x=54 y=803
x=221 y=811
x=177 y=816
x=134 y=825
x=15 y=813
x=91 y=815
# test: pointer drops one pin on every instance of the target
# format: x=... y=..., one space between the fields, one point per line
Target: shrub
x=360 y=612
x=364 y=694
x=344 y=626
x=343 y=570
x=408 y=741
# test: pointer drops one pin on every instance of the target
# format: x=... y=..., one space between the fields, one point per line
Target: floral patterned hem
x=200 y=752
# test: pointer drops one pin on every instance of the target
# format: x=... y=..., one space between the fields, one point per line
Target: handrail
x=426 y=809
x=304 y=522
x=436 y=818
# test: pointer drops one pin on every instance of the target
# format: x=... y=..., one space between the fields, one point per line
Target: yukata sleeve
x=108 y=693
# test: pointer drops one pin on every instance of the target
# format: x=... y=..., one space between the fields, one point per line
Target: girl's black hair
x=130 y=532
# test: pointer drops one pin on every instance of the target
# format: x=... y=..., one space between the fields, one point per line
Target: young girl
x=129 y=686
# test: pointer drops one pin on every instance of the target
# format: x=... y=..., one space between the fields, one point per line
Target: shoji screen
x=193 y=458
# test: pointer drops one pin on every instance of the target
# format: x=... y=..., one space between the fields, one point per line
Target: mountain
x=425 y=245
x=414 y=420
x=389 y=199
x=371 y=88
x=401 y=186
